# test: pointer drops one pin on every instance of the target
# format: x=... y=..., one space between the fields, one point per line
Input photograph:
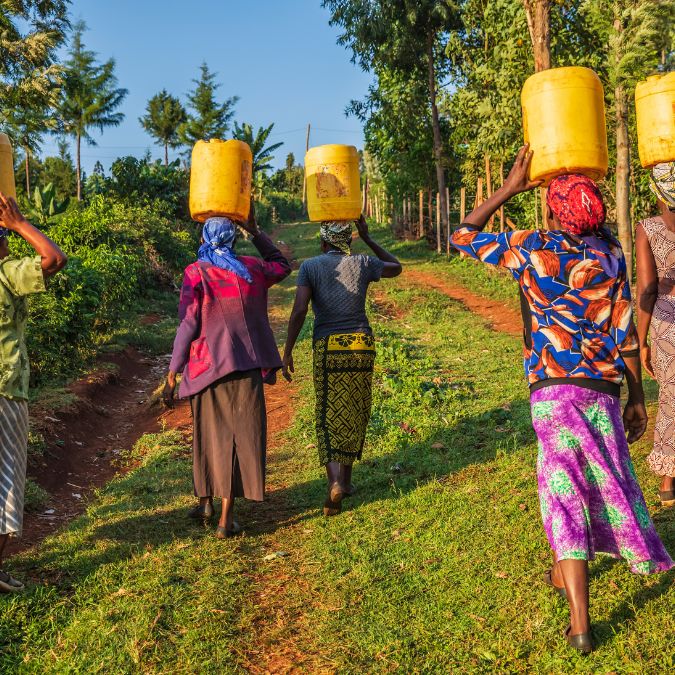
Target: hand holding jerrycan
x=7 y=183
x=220 y=180
x=333 y=183
x=655 y=110
x=564 y=123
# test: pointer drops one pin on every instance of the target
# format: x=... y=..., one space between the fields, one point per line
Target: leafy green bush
x=61 y=322
x=117 y=253
x=142 y=182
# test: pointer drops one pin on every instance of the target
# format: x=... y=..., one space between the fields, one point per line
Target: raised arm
x=53 y=258
x=303 y=296
x=392 y=266
x=276 y=267
x=516 y=182
x=647 y=291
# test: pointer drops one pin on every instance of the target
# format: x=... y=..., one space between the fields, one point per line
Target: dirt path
x=499 y=316
x=84 y=439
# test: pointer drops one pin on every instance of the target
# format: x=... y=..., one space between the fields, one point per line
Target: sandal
x=336 y=493
x=582 y=642
x=228 y=532
x=331 y=508
x=9 y=584
x=548 y=580
x=667 y=497
x=200 y=512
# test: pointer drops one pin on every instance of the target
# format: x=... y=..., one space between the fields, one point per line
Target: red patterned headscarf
x=577 y=202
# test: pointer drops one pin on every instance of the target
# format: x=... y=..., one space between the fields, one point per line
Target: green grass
x=434 y=566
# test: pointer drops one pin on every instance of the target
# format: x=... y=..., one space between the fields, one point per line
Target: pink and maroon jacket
x=224 y=325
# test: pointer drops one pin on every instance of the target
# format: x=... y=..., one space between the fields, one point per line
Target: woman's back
x=662 y=244
x=339 y=286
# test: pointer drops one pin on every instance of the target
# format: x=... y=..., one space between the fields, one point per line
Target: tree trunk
x=435 y=123
x=27 y=165
x=78 y=142
x=538 y=13
x=166 y=154
x=623 y=221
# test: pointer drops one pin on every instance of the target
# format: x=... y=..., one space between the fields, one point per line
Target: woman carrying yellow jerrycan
x=336 y=283
x=224 y=346
x=580 y=344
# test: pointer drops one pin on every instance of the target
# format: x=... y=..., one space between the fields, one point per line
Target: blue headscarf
x=3 y=232
x=219 y=235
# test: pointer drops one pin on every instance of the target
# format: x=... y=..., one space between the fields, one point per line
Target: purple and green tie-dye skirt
x=589 y=495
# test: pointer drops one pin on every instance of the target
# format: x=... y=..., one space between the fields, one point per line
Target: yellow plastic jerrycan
x=655 y=109
x=220 y=180
x=564 y=123
x=333 y=183
x=7 y=184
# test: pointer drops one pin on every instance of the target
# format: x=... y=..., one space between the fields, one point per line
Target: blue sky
x=279 y=56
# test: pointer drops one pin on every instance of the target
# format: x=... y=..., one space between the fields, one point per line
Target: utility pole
x=304 y=182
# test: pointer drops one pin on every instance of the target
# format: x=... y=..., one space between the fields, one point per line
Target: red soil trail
x=85 y=439
x=499 y=316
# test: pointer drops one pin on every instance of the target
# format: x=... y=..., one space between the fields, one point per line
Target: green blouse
x=18 y=279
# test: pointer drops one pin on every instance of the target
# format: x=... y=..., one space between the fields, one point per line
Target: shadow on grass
x=144 y=515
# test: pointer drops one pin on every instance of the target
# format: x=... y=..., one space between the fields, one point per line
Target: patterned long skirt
x=13 y=455
x=343 y=383
x=588 y=492
x=662 y=458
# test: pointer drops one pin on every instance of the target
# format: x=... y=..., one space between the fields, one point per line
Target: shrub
x=117 y=252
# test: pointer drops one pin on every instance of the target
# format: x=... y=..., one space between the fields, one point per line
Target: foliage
x=118 y=252
x=141 y=181
x=46 y=206
x=30 y=33
x=262 y=156
x=90 y=96
x=289 y=179
x=207 y=118
x=60 y=171
x=398 y=133
x=163 y=118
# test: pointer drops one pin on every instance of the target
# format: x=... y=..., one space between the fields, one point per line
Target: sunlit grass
x=434 y=566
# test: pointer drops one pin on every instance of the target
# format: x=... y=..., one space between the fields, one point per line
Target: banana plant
x=45 y=205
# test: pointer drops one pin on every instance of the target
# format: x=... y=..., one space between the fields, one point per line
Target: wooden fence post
x=488 y=186
x=430 y=207
x=502 y=215
x=421 y=214
x=438 y=222
x=447 y=234
x=479 y=193
x=462 y=205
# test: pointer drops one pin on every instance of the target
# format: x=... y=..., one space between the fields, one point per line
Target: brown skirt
x=230 y=437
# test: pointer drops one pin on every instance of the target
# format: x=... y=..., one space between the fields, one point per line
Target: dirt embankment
x=85 y=438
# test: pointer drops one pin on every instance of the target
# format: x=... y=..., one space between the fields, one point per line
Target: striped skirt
x=13 y=455
x=343 y=381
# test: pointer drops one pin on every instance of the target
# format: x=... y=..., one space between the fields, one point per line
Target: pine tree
x=262 y=156
x=164 y=116
x=209 y=119
x=27 y=117
x=30 y=33
x=90 y=97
